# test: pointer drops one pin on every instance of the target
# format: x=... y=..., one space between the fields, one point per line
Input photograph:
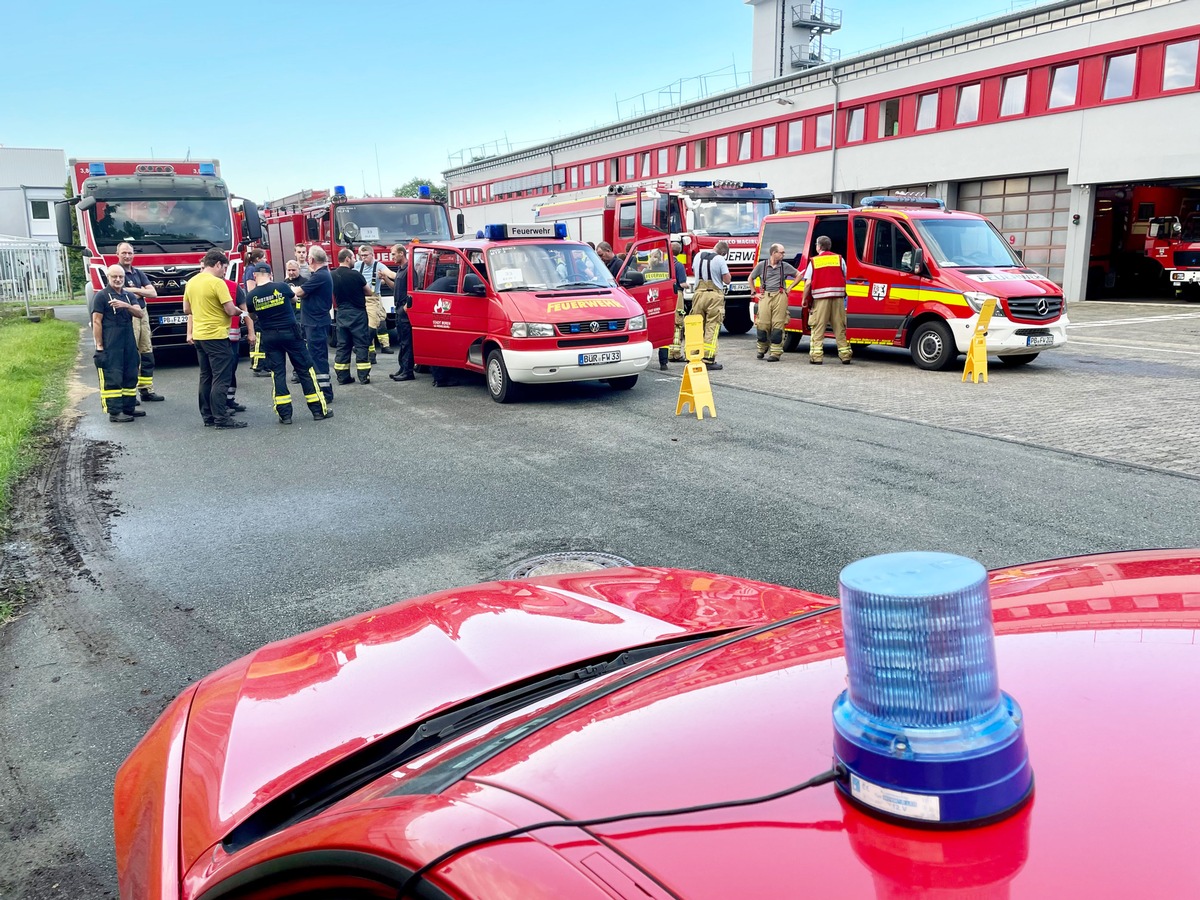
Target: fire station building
x=1069 y=124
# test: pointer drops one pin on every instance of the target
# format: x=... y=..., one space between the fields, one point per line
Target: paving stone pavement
x=1126 y=387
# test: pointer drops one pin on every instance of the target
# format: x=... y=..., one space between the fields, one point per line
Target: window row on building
x=1117 y=74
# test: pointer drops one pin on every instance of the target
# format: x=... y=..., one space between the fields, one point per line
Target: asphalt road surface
x=154 y=552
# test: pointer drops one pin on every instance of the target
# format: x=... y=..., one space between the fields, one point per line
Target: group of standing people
x=124 y=355
x=288 y=320
x=824 y=293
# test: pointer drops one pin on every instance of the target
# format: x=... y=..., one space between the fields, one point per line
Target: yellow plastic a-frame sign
x=976 y=366
x=695 y=391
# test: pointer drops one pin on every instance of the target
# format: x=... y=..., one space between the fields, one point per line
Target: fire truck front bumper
x=577 y=364
x=1185 y=276
x=1008 y=338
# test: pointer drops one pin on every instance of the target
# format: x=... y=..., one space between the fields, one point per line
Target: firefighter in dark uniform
x=403 y=302
x=825 y=287
x=350 y=291
x=273 y=306
x=682 y=307
x=117 y=359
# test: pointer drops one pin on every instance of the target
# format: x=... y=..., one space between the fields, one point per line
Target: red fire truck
x=698 y=214
x=1175 y=245
x=171 y=211
x=336 y=222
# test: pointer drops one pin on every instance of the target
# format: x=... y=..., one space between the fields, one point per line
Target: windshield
x=391 y=223
x=966 y=242
x=730 y=218
x=517 y=267
x=162 y=221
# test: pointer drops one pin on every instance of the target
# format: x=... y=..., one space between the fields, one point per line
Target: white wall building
x=30 y=181
x=1047 y=120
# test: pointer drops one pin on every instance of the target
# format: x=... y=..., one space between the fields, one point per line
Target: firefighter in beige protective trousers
x=825 y=286
x=774 y=278
x=708 y=298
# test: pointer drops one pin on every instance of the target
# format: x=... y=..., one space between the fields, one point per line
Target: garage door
x=1031 y=211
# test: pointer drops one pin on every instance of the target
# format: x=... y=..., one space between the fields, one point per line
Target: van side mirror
x=314 y=230
x=460 y=222
x=1020 y=254
x=476 y=290
x=913 y=261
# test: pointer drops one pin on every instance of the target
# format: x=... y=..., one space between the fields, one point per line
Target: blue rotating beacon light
x=923 y=732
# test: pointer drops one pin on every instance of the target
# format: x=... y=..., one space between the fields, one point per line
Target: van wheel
x=791 y=342
x=501 y=387
x=1023 y=360
x=932 y=346
x=737 y=320
x=624 y=383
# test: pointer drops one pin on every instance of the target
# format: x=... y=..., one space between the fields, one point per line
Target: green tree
x=412 y=187
x=74 y=257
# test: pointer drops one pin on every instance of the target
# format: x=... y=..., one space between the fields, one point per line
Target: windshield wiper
x=146 y=240
x=580 y=284
x=206 y=242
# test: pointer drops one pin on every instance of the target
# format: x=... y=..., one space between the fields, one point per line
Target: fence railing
x=34 y=272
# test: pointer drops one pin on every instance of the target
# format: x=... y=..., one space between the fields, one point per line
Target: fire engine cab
x=918 y=275
x=526 y=306
x=1175 y=245
x=697 y=214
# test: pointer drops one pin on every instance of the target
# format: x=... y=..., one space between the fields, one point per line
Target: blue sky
x=304 y=94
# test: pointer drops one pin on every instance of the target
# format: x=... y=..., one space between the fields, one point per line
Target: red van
x=918 y=275
x=525 y=306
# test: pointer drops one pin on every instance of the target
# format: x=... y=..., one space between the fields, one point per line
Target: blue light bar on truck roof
x=920 y=202
x=97 y=169
x=208 y=169
x=510 y=232
x=423 y=192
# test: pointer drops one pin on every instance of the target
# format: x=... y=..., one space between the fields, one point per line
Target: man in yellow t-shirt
x=209 y=308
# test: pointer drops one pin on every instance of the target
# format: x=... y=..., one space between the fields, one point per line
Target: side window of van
x=890 y=245
x=860 y=237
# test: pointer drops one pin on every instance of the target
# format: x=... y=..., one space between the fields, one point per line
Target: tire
x=623 y=383
x=737 y=320
x=791 y=341
x=1014 y=362
x=500 y=386
x=932 y=346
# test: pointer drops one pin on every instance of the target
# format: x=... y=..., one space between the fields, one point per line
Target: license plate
x=739 y=287
x=172 y=320
x=1185 y=276
x=595 y=359
x=1040 y=340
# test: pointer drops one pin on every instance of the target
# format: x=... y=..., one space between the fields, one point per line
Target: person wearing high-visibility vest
x=773 y=278
x=825 y=288
x=682 y=307
x=708 y=299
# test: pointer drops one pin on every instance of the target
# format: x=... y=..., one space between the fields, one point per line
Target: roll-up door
x=1031 y=211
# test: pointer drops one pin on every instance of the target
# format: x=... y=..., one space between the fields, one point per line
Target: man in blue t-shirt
x=317 y=295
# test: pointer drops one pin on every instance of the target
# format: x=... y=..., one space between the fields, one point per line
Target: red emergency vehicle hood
x=1101 y=653
x=264 y=723
x=586 y=305
x=1003 y=283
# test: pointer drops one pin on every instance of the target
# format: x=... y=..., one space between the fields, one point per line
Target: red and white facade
x=1042 y=120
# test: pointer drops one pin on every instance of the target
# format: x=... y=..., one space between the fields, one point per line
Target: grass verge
x=35 y=359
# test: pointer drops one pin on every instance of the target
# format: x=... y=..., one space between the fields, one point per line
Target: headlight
x=531 y=329
x=637 y=323
x=976 y=299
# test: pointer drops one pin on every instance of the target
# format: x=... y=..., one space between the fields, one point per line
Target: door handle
x=857 y=281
